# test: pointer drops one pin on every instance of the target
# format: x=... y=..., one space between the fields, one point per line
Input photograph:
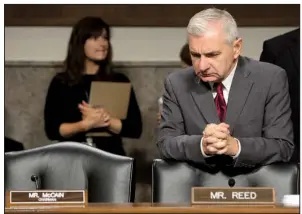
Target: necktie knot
x=219 y=88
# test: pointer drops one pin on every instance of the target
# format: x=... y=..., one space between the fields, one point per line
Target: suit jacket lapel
x=203 y=98
x=238 y=94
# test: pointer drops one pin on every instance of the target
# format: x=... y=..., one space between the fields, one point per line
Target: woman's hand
x=94 y=117
x=99 y=117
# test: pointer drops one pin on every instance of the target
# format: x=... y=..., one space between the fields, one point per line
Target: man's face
x=213 y=58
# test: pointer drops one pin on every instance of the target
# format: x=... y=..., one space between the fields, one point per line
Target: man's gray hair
x=198 y=24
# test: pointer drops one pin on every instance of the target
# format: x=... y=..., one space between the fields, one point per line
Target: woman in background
x=185 y=56
x=67 y=115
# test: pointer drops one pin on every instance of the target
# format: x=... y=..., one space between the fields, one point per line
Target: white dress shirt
x=226 y=90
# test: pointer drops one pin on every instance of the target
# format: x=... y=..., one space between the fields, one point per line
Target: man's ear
x=237 y=45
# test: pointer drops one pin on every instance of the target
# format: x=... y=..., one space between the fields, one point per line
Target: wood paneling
x=147 y=15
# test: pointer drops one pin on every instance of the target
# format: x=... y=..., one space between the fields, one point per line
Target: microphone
x=35 y=178
x=231 y=182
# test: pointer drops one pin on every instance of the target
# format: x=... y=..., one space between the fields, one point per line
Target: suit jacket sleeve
x=276 y=143
x=173 y=142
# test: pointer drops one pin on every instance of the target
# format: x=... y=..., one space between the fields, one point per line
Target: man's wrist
x=235 y=147
x=203 y=149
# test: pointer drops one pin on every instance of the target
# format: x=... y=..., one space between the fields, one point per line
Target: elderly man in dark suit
x=227 y=109
x=284 y=51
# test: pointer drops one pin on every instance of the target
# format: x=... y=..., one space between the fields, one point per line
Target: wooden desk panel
x=153 y=208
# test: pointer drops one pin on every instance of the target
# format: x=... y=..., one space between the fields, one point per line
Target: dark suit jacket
x=258 y=112
x=284 y=51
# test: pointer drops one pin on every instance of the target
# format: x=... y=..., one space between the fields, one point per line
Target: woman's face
x=96 y=48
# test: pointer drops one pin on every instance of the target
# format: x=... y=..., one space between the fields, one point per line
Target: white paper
x=291 y=200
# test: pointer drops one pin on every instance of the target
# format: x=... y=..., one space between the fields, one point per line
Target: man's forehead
x=205 y=46
x=210 y=40
x=211 y=34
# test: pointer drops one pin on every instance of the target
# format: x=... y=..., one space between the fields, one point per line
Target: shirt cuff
x=202 y=152
x=239 y=149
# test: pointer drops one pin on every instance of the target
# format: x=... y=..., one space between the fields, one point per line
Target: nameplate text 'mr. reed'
x=237 y=195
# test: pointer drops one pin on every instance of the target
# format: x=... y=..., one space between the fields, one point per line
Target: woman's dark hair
x=185 y=55
x=74 y=63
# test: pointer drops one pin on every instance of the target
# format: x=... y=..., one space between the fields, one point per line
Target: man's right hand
x=214 y=134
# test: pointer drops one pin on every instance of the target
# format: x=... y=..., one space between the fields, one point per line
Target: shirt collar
x=227 y=82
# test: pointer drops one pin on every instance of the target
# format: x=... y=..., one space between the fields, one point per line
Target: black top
x=61 y=106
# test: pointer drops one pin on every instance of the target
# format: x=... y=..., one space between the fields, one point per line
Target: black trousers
x=110 y=144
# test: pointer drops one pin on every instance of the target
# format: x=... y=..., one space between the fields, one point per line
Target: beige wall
x=137 y=44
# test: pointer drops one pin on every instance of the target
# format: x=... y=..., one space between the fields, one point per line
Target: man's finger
x=209 y=130
x=224 y=125
x=210 y=140
x=220 y=135
x=212 y=150
x=223 y=129
x=222 y=151
x=220 y=144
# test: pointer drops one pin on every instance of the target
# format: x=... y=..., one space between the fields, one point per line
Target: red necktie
x=220 y=102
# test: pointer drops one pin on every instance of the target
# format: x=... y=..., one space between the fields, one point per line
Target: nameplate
x=234 y=195
x=42 y=197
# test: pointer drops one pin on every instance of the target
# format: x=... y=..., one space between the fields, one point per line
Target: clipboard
x=113 y=96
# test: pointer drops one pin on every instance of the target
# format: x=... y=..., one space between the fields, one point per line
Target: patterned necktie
x=220 y=102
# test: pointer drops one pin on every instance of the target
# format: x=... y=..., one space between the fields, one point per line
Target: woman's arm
x=55 y=116
x=132 y=126
x=69 y=129
x=115 y=125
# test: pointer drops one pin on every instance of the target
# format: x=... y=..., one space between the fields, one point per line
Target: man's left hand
x=227 y=146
